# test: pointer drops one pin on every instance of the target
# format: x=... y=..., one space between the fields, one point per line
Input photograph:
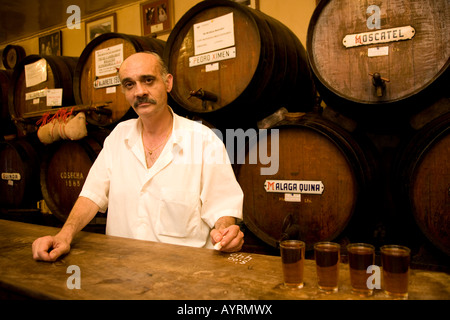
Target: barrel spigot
x=203 y=95
x=379 y=82
x=290 y=228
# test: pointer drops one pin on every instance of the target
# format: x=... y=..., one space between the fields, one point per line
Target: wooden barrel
x=19 y=166
x=6 y=125
x=12 y=55
x=423 y=181
x=374 y=61
x=64 y=169
x=96 y=80
x=233 y=64
x=323 y=175
x=27 y=99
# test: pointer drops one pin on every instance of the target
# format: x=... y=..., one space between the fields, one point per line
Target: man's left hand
x=231 y=238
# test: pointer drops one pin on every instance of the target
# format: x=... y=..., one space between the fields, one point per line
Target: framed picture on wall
x=98 y=26
x=50 y=45
x=156 y=17
x=251 y=3
x=254 y=4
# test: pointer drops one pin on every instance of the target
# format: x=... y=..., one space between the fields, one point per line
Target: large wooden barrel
x=401 y=47
x=64 y=169
x=235 y=65
x=12 y=55
x=323 y=176
x=96 y=80
x=27 y=99
x=19 y=166
x=422 y=174
x=6 y=125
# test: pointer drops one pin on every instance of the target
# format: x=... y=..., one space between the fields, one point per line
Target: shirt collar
x=134 y=135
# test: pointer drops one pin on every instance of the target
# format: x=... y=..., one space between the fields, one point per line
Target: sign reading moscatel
x=379 y=36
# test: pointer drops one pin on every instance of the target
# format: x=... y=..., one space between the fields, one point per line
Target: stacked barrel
x=248 y=68
x=385 y=65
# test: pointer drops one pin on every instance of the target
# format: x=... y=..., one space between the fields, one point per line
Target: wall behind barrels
x=295 y=14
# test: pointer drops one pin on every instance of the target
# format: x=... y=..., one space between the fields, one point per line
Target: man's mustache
x=144 y=100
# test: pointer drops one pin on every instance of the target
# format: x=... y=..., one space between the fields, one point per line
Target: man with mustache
x=154 y=175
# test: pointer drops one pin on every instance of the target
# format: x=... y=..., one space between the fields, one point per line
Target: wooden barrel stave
x=7 y=127
x=422 y=181
x=12 y=55
x=60 y=71
x=178 y=61
x=415 y=68
x=64 y=169
x=21 y=158
x=310 y=149
x=269 y=69
x=85 y=75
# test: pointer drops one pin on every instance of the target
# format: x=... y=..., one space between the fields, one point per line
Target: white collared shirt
x=179 y=199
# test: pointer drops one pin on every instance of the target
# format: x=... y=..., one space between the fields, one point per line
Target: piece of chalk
x=218 y=246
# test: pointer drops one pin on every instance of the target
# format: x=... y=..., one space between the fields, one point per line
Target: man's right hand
x=49 y=248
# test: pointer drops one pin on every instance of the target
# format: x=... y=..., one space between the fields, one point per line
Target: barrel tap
x=203 y=95
x=379 y=83
x=290 y=228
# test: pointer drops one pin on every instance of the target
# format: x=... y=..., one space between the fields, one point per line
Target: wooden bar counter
x=119 y=268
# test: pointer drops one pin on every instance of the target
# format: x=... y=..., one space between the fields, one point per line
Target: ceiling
x=23 y=18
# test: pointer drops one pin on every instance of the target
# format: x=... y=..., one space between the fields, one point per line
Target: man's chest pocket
x=179 y=212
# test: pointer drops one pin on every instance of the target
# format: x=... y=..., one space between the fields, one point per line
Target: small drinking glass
x=360 y=257
x=395 y=261
x=327 y=256
x=292 y=258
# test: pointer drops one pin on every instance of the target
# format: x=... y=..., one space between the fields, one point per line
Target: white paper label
x=35 y=73
x=110 y=90
x=54 y=97
x=107 y=82
x=212 y=67
x=378 y=51
x=36 y=94
x=292 y=197
x=157 y=27
x=214 y=34
x=211 y=57
x=108 y=60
